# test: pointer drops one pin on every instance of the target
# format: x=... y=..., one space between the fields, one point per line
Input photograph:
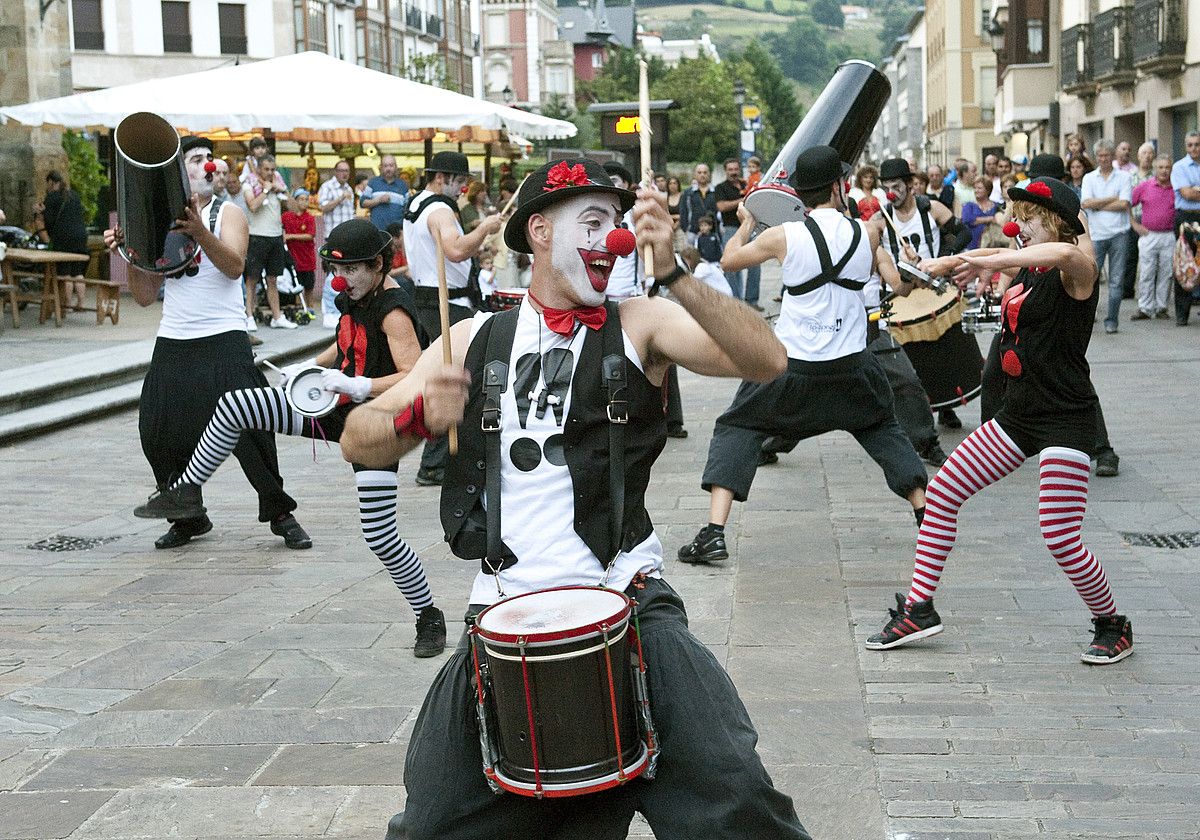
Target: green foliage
x=703 y=91
x=85 y=173
x=895 y=14
x=828 y=12
x=803 y=51
x=618 y=80
x=769 y=6
x=781 y=112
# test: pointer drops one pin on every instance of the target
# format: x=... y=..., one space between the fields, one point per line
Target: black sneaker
x=182 y=502
x=431 y=633
x=934 y=454
x=1108 y=464
x=293 y=535
x=949 y=419
x=707 y=547
x=907 y=624
x=430 y=477
x=1113 y=640
x=677 y=432
x=766 y=457
x=181 y=532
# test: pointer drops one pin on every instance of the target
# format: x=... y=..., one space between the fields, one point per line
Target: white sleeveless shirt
x=915 y=226
x=537 y=494
x=829 y=322
x=207 y=303
x=421 y=250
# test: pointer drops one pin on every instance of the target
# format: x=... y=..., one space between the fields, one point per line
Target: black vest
x=362 y=345
x=586 y=436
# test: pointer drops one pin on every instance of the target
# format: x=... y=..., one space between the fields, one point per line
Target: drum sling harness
x=412 y=216
x=923 y=212
x=497 y=353
x=829 y=271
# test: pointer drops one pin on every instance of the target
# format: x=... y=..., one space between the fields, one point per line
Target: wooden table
x=50 y=299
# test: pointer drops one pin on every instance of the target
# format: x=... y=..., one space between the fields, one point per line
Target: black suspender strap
x=415 y=213
x=495 y=382
x=613 y=365
x=829 y=271
x=923 y=209
x=213 y=212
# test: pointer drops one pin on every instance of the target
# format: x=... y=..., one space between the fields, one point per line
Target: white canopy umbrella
x=311 y=95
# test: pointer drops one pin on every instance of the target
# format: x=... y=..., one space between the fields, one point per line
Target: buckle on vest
x=490 y=421
x=618 y=411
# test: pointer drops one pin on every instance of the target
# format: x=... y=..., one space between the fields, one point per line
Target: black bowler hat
x=1052 y=194
x=1047 y=166
x=553 y=182
x=354 y=240
x=818 y=167
x=614 y=168
x=451 y=163
x=895 y=168
x=190 y=142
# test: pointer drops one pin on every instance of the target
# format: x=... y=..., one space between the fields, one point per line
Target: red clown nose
x=1012 y=230
x=210 y=167
x=339 y=283
x=620 y=241
x=891 y=196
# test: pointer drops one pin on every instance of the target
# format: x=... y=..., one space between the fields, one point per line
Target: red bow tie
x=562 y=321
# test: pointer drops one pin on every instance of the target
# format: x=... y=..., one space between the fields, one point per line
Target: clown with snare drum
x=579 y=677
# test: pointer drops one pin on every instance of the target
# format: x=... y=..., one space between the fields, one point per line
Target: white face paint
x=361 y=278
x=579 y=227
x=201 y=181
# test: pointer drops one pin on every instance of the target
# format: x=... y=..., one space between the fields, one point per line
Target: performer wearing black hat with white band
x=1048 y=410
x=435 y=208
x=377 y=343
x=556 y=396
x=833 y=381
x=201 y=352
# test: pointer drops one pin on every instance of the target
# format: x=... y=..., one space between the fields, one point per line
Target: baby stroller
x=291 y=298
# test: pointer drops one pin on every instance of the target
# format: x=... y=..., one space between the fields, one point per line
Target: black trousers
x=1183 y=298
x=991 y=397
x=710 y=784
x=849 y=394
x=911 y=402
x=436 y=451
x=179 y=396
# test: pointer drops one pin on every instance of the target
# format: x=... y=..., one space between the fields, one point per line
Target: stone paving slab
x=235 y=689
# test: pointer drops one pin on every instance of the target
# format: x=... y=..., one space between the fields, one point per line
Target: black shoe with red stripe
x=908 y=624
x=1113 y=640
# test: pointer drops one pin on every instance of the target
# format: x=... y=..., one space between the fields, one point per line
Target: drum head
x=305 y=393
x=921 y=305
x=552 y=614
x=774 y=204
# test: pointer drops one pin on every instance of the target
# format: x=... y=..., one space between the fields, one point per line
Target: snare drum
x=946 y=359
x=561 y=693
x=504 y=299
x=305 y=393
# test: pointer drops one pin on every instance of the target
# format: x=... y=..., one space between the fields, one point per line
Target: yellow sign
x=629 y=125
x=751 y=112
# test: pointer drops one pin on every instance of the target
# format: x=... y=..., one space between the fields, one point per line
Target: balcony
x=1159 y=35
x=1076 y=58
x=1112 y=47
x=412 y=18
x=433 y=25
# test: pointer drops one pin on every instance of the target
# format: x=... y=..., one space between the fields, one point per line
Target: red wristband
x=411 y=421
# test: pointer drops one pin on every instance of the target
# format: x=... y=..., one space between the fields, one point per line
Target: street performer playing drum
x=1048 y=410
x=552 y=384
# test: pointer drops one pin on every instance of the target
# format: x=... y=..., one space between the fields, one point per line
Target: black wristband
x=665 y=282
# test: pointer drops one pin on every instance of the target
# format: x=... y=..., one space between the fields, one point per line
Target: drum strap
x=615 y=381
x=415 y=213
x=829 y=271
x=214 y=211
x=923 y=211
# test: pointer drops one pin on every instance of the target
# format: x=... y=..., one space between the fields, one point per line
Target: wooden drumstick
x=647 y=166
x=444 y=313
x=491 y=237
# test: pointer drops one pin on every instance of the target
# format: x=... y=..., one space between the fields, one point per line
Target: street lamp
x=996 y=30
x=509 y=96
x=739 y=96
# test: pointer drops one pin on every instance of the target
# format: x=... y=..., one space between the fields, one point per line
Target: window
x=556 y=80
x=987 y=93
x=231 y=19
x=597 y=60
x=1037 y=37
x=176 y=27
x=88 y=24
x=395 y=52
x=371 y=45
x=497 y=29
x=309 y=17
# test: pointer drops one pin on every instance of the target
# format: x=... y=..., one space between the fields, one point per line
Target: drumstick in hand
x=492 y=237
x=444 y=312
x=647 y=165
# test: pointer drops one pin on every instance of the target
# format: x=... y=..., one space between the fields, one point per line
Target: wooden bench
x=108 y=300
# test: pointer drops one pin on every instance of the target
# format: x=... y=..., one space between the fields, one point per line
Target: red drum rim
x=512 y=294
x=605 y=624
x=552 y=791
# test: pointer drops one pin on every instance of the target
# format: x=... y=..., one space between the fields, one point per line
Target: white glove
x=358 y=388
x=287 y=372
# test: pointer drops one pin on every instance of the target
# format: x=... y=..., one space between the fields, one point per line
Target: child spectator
x=299 y=231
x=706 y=272
x=708 y=241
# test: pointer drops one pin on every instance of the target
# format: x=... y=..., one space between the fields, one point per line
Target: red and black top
x=362 y=346
x=1049 y=399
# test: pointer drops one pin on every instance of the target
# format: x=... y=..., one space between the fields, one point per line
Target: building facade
x=1024 y=36
x=901 y=129
x=592 y=28
x=960 y=72
x=1130 y=71
x=675 y=50
x=523 y=55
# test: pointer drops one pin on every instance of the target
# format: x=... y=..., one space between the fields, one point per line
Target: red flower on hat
x=1039 y=188
x=561 y=175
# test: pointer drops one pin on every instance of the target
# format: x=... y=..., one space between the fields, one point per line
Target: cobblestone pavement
x=235 y=689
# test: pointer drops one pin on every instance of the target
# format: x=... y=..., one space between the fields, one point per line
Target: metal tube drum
x=152 y=190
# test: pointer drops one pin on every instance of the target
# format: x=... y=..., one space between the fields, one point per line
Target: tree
x=896 y=14
x=828 y=12
x=84 y=172
x=802 y=50
x=781 y=111
x=703 y=91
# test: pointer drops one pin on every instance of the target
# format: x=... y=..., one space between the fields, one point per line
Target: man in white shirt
x=1105 y=197
x=336 y=198
x=266 y=254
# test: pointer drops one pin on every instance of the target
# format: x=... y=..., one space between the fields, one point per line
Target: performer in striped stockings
x=378 y=342
x=1049 y=410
